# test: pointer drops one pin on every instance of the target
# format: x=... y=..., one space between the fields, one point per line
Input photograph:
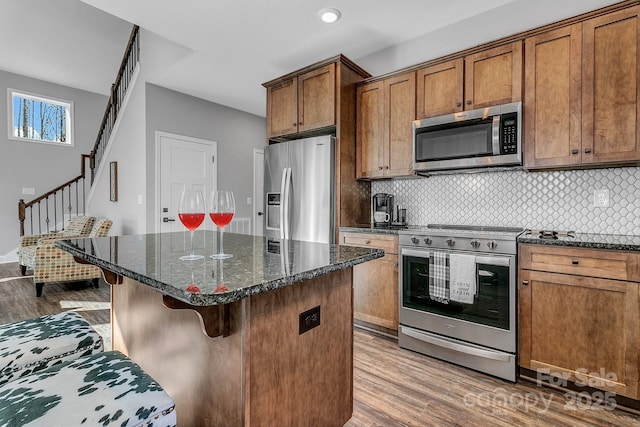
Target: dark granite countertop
x=586 y=240
x=258 y=264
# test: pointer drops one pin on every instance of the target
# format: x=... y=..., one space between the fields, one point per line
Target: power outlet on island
x=601 y=198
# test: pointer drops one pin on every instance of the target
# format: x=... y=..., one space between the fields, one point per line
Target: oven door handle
x=415 y=252
x=487 y=354
x=490 y=260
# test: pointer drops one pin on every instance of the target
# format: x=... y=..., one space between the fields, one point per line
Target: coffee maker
x=382 y=210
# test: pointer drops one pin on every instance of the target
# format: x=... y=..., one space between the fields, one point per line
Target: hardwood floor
x=392 y=386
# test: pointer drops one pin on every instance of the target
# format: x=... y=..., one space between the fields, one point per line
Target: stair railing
x=118 y=90
x=51 y=211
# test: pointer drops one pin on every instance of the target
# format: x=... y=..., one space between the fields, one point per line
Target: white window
x=35 y=118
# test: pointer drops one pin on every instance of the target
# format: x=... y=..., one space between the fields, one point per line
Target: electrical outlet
x=601 y=198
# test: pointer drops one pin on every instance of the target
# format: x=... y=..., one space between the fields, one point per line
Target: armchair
x=77 y=226
x=51 y=264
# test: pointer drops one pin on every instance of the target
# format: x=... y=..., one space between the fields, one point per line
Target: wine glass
x=222 y=206
x=191 y=214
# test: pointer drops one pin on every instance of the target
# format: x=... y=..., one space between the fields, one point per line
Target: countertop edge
x=591 y=243
x=197 y=299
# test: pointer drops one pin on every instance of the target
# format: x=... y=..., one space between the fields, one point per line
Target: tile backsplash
x=561 y=200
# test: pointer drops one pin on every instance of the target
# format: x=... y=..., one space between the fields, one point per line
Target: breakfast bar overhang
x=260 y=339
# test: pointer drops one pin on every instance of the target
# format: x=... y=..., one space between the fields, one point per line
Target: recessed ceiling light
x=329 y=15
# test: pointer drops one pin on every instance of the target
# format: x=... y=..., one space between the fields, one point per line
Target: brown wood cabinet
x=375 y=284
x=320 y=99
x=579 y=317
x=581 y=93
x=482 y=79
x=385 y=111
x=302 y=103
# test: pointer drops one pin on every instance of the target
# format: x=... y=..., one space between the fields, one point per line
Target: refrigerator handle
x=287 y=205
x=283 y=183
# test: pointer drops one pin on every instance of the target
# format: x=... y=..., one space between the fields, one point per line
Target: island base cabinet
x=580 y=329
x=267 y=371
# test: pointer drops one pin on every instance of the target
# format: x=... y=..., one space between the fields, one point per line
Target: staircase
x=50 y=212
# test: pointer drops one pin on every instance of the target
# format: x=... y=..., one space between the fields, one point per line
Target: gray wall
x=237 y=133
x=25 y=164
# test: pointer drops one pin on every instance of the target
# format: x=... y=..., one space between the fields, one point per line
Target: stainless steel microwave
x=482 y=138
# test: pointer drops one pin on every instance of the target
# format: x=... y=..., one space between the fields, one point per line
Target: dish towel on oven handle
x=439 y=277
x=462 y=278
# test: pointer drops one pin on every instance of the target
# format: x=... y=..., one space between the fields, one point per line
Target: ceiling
x=235 y=45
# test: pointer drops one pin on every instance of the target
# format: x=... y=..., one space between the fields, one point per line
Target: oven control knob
x=492 y=244
x=451 y=242
x=415 y=239
x=475 y=243
x=427 y=240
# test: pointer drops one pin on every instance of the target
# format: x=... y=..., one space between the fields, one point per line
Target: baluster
x=31 y=217
x=39 y=219
x=46 y=205
x=77 y=200
x=69 y=207
x=55 y=213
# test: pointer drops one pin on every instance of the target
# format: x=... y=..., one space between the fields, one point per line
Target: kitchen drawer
x=387 y=242
x=610 y=264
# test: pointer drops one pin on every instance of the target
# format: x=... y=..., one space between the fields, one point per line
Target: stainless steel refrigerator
x=299 y=183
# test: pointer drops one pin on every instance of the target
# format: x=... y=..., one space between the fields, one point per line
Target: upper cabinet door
x=370 y=132
x=439 y=89
x=400 y=112
x=552 y=98
x=493 y=76
x=610 y=95
x=282 y=108
x=317 y=98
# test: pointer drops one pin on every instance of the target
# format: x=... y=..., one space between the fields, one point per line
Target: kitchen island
x=262 y=338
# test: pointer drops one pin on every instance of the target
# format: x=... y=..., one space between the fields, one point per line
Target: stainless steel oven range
x=458 y=295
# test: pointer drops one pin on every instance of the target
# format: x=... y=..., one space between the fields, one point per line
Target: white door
x=183 y=162
x=258 y=192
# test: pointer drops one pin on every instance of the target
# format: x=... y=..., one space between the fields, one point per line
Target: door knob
x=260 y=213
x=165 y=219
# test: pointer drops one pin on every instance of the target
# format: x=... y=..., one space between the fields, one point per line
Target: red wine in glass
x=222 y=206
x=191 y=221
x=221 y=219
x=191 y=214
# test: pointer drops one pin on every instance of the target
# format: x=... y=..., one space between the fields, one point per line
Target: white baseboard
x=10 y=257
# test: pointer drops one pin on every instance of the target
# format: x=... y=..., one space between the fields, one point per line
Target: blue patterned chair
x=96 y=390
x=32 y=345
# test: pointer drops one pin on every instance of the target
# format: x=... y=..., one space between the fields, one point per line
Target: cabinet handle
x=379 y=168
x=386 y=167
x=368 y=242
x=300 y=123
x=525 y=282
x=587 y=150
x=294 y=124
x=574 y=151
x=468 y=102
x=574 y=261
x=458 y=104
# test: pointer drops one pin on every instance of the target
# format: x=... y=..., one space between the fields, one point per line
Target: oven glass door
x=472 y=138
x=490 y=305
